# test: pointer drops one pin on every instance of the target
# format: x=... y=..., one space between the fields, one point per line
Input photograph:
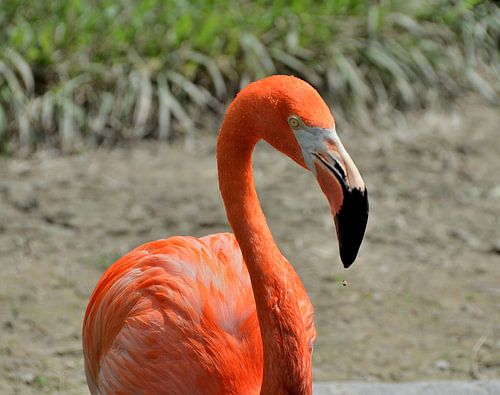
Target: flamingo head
x=296 y=121
x=325 y=156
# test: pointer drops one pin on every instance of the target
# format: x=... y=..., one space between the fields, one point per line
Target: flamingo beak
x=348 y=201
x=342 y=185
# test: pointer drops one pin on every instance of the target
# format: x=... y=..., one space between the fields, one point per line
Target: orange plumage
x=202 y=316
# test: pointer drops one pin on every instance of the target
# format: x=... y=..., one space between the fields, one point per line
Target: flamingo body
x=227 y=314
x=197 y=294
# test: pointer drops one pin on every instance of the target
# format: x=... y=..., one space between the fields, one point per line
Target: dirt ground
x=423 y=300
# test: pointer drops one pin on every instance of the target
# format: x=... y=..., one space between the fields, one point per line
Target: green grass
x=78 y=73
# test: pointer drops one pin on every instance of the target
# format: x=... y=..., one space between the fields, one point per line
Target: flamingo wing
x=175 y=316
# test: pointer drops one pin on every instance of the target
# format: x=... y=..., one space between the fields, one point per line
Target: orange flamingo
x=227 y=314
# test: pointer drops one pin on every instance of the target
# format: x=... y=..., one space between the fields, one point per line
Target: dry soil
x=422 y=300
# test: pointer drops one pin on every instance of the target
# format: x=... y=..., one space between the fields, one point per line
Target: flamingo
x=227 y=314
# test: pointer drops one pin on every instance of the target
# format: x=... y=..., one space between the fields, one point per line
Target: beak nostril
x=332 y=163
x=341 y=171
x=338 y=166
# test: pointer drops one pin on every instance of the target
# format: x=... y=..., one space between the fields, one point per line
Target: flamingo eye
x=294 y=122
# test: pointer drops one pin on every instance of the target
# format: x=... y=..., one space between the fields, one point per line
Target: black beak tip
x=351 y=224
x=347 y=259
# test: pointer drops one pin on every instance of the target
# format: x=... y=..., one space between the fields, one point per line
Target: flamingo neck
x=287 y=360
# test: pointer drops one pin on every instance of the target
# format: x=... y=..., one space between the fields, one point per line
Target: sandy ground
x=423 y=297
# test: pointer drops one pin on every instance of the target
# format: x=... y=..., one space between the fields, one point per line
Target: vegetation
x=82 y=72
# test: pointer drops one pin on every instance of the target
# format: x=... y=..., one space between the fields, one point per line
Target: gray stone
x=413 y=388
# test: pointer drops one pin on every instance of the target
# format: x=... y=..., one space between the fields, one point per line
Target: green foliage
x=76 y=72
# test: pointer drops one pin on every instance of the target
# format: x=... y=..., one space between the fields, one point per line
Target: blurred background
x=108 y=117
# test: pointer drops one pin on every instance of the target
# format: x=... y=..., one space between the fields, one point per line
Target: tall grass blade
x=197 y=93
x=47 y=115
x=164 y=114
x=296 y=65
x=213 y=71
x=257 y=55
x=144 y=104
x=23 y=68
x=98 y=123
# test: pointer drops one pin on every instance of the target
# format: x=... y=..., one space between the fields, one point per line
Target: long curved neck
x=287 y=361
